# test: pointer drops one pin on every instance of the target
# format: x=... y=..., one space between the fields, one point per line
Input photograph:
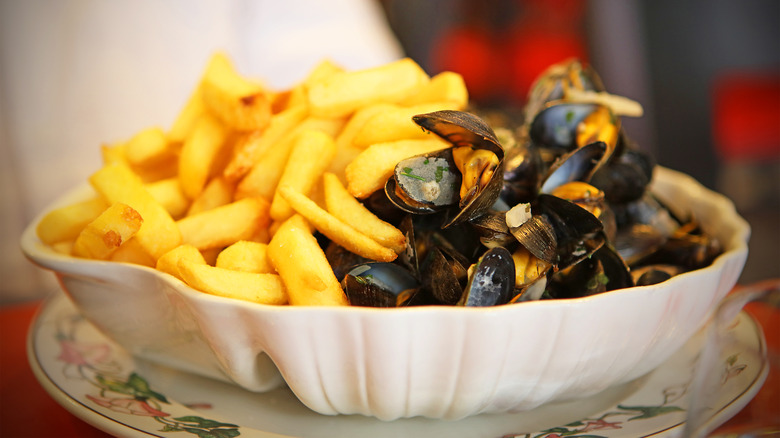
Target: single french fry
x=114 y=154
x=148 y=147
x=101 y=237
x=159 y=233
x=199 y=153
x=321 y=72
x=246 y=256
x=217 y=192
x=310 y=156
x=169 y=262
x=132 y=252
x=253 y=145
x=342 y=93
x=262 y=180
x=446 y=86
x=224 y=225
x=396 y=123
x=369 y=171
x=356 y=122
x=168 y=167
x=336 y=230
x=241 y=104
x=303 y=267
x=350 y=211
x=247 y=286
x=65 y=223
x=169 y=194
x=187 y=117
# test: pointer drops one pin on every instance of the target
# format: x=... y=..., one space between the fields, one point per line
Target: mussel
x=465 y=180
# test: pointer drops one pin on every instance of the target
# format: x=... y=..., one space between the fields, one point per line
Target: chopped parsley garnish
x=440 y=171
x=408 y=172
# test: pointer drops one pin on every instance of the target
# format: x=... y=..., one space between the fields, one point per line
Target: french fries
x=101 y=237
x=228 y=200
x=303 y=267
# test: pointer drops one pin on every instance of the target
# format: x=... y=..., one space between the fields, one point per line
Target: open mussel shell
x=429 y=183
x=492 y=280
x=460 y=128
x=425 y=184
x=551 y=84
x=445 y=276
x=555 y=126
x=625 y=177
x=603 y=271
x=523 y=172
x=492 y=229
x=379 y=284
x=578 y=165
x=577 y=231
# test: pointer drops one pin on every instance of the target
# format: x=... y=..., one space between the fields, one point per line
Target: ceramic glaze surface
x=438 y=362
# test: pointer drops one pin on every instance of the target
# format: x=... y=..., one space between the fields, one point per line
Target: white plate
x=98 y=381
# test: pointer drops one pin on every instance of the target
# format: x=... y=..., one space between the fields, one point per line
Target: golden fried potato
x=310 y=156
x=169 y=194
x=341 y=94
x=396 y=123
x=169 y=262
x=246 y=256
x=147 y=148
x=132 y=252
x=217 y=192
x=262 y=180
x=369 y=171
x=350 y=211
x=239 y=103
x=187 y=118
x=356 y=122
x=101 y=237
x=199 y=154
x=336 y=230
x=65 y=223
x=303 y=267
x=256 y=143
x=247 y=286
x=224 y=225
x=446 y=86
x=159 y=233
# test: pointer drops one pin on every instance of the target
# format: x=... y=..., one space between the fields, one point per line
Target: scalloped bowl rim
x=48 y=258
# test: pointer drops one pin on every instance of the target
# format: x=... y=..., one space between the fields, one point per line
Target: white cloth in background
x=76 y=74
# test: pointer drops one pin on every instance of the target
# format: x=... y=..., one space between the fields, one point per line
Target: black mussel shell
x=578 y=165
x=654 y=274
x=379 y=284
x=578 y=232
x=603 y=271
x=492 y=229
x=492 y=281
x=445 y=277
x=555 y=127
x=460 y=128
x=523 y=172
x=538 y=236
x=549 y=86
x=625 y=178
x=342 y=260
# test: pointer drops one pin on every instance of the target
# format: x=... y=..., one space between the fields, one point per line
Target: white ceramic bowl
x=439 y=362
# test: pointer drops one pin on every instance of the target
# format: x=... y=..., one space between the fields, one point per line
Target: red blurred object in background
x=746 y=116
x=500 y=62
x=468 y=50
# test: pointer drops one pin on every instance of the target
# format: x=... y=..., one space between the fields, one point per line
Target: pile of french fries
x=229 y=198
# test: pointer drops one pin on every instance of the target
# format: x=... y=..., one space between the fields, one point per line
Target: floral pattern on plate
x=74 y=361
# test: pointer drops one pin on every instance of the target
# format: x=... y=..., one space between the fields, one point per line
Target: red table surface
x=27 y=410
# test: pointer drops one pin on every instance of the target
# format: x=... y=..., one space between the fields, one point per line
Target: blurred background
x=706 y=72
